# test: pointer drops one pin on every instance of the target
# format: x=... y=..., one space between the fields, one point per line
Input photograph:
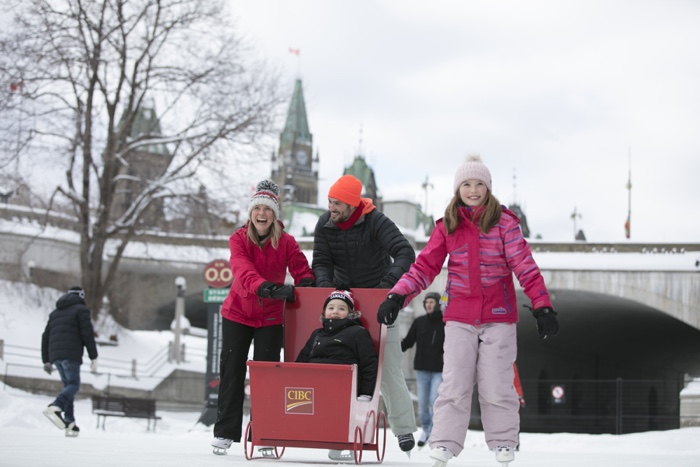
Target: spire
x=296 y=129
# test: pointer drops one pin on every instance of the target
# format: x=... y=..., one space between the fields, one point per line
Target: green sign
x=215 y=295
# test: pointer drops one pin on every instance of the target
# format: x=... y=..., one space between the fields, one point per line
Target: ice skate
x=504 y=455
x=220 y=445
x=53 y=413
x=267 y=451
x=338 y=455
x=440 y=456
x=406 y=443
x=72 y=430
x=423 y=439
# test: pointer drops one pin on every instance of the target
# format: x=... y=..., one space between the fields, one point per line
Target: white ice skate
x=440 y=456
x=504 y=455
x=422 y=440
x=72 y=430
x=267 y=451
x=220 y=445
x=53 y=413
x=340 y=456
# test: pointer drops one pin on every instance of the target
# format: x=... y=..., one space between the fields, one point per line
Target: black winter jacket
x=428 y=333
x=68 y=330
x=344 y=341
x=361 y=256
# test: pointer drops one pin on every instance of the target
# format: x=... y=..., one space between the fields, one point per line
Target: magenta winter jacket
x=480 y=270
x=251 y=266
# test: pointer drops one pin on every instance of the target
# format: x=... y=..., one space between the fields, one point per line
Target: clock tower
x=294 y=167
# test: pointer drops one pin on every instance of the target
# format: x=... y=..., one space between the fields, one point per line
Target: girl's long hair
x=273 y=236
x=489 y=218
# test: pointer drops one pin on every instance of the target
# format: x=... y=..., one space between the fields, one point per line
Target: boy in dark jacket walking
x=428 y=334
x=68 y=330
x=343 y=340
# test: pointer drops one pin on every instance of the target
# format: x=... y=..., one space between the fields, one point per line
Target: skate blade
x=219 y=451
x=72 y=434
x=55 y=418
x=267 y=452
x=408 y=453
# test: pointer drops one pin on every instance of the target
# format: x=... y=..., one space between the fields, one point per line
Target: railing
x=615 y=406
x=114 y=367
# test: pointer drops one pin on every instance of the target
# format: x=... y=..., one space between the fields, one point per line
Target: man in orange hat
x=356 y=246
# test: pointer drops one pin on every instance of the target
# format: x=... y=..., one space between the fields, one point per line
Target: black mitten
x=389 y=309
x=307 y=282
x=276 y=291
x=547 y=324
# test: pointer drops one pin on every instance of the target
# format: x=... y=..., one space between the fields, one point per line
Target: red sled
x=313 y=405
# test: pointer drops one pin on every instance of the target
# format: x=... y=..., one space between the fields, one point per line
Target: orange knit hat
x=347 y=189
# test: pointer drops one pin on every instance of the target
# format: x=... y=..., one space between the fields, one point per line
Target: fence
x=29 y=357
x=615 y=406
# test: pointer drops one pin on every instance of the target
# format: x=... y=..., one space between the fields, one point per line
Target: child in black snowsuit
x=343 y=340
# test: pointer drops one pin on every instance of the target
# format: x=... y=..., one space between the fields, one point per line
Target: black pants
x=235 y=344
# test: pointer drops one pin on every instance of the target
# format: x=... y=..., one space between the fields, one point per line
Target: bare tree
x=84 y=73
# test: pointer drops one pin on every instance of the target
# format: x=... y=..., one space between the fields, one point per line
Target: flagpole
x=628 y=224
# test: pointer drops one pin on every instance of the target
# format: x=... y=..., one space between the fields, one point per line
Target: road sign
x=217 y=274
x=558 y=394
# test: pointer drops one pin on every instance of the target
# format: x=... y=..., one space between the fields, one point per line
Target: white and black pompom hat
x=266 y=193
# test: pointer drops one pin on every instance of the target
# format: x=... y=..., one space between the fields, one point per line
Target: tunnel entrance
x=616 y=366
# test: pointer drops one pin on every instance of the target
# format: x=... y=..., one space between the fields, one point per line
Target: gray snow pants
x=482 y=355
x=397 y=399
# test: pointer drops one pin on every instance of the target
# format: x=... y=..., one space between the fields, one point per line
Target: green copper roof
x=146 y=122
x=297 y=126
x=360 y=170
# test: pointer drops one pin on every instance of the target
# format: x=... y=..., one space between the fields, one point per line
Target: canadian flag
x=294 y=51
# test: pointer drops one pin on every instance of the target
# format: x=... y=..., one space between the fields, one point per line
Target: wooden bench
x=120 y=406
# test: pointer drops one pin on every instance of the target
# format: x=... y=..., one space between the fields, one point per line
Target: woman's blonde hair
x=489 y=218
x=273 y=236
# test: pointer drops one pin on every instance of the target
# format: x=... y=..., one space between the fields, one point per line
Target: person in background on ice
x=67 y=332
x=485 y=248
x=343 y=340
x=356 y=246
x=427 y=332
x=261 y=254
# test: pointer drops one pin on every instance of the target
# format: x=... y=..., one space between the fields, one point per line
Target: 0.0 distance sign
x=218 y=274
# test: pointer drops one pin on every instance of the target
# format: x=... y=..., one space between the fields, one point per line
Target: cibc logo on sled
x=299 y=401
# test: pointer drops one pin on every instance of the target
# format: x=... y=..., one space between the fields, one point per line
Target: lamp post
x=181 y=285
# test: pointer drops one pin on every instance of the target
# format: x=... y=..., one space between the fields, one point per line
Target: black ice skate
x=53 y=413
x=72 y=430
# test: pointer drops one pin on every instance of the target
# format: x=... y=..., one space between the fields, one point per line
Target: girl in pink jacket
x=485 y=248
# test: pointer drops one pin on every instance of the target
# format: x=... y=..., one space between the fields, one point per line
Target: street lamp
x=181 y=285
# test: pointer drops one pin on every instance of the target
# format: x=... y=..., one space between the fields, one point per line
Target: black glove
x=389 y=309
x=48 y=368
x=276 y=291
x=307 y=282
x=547 y=324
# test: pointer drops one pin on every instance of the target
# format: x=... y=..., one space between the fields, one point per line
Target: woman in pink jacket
x=261 y=253
x=485 y=248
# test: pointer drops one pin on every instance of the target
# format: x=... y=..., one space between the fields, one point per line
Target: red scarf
x=357 y=213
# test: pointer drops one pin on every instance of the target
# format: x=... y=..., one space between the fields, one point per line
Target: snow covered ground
x=27 y=438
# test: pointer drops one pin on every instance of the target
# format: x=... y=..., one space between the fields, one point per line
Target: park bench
x=119 y=406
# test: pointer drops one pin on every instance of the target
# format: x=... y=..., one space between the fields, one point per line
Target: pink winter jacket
x=480 y=270
x=251 y=266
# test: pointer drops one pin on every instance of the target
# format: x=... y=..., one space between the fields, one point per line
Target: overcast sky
x=556 y=94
